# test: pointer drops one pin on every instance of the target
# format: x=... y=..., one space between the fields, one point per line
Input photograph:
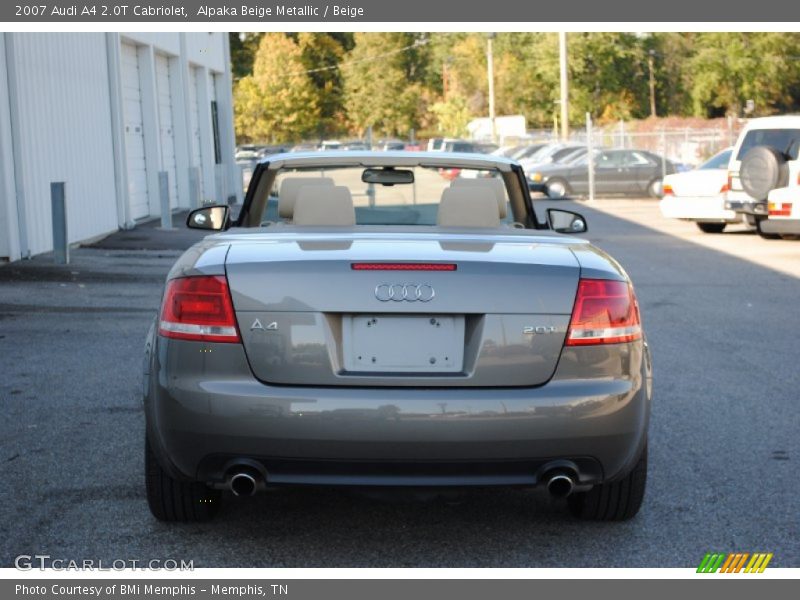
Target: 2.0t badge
x=408 y=292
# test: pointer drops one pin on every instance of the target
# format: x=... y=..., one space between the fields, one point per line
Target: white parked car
x=783 y=206
x=699 y=195
x=765 y=161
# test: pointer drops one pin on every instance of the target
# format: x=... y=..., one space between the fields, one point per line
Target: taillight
x=785 y=209
x=606 y=312
x=725 y=188
x=667 y=190
x=199 y=309
x=729 y=184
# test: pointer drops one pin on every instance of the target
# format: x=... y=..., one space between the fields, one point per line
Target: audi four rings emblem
x=408 y=292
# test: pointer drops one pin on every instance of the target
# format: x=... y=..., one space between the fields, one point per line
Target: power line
x=416 y=44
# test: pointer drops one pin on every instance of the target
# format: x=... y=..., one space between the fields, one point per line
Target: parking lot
x=720 y=313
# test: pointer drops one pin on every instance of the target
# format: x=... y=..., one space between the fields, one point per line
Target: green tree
x=321 y=55
x=672 y=55
x=728 y=69
x=278 y=102
x=243 y=52
x=607 y=74
x=384 y=75
x=452 y=116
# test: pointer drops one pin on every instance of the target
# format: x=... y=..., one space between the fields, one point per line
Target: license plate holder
x=403 y=344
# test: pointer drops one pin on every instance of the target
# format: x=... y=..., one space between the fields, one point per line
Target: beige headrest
x=287 y=195
x=493 y=183
x=324 y=205
x=468 y=206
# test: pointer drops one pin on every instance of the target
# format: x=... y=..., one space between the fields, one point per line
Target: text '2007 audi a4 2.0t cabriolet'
x=366 y=321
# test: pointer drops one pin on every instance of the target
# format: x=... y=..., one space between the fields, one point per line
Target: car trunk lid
x=497 y=316
x=699 y=183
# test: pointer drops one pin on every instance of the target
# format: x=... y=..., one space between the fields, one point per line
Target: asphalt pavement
x=724 y=438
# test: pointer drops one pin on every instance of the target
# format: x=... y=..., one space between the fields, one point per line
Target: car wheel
x=173 y=500
x=763 y=234
x=655 y=189
x=615 y=501
x=557 y=188
x=712 y=227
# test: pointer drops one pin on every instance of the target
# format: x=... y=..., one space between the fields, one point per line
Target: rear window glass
x=783 y=140
x=557 y=156
x=402 y=204
x=719 y=161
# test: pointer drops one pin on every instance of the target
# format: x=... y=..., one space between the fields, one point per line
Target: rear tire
x=712 y=227
x=766 y=236
x=177 y=501
x=655 y=189
x=616 y=501
x=557 y=189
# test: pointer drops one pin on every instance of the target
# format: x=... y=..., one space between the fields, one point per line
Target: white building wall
x=207 y=49
x=62 y=118
x=206 y=133
x=9 y=231
x=63 y=127
x=168 y=43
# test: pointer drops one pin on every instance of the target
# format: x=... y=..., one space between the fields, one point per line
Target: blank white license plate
x=396 y=344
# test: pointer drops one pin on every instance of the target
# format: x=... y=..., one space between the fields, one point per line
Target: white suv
x=765 y=170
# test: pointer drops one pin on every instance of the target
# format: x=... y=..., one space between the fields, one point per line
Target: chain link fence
x=677 y=147
x=688 y=146
x=685 y=146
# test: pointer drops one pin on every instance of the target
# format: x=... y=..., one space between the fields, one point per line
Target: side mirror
x=210 y=218
x=566 y=221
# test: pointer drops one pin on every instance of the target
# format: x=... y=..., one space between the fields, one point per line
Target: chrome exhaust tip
x=560 y=485
x=243 y=484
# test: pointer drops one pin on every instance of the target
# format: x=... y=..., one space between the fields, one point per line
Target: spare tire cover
x=763 y=169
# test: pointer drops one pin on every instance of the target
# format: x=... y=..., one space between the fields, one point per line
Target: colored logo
x=734 y=562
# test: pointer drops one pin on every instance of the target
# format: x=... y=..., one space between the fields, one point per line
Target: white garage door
x=194 y=108
x=165 y=123
x=134 y=132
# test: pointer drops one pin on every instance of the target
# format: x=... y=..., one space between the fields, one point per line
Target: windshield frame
x=517 y=191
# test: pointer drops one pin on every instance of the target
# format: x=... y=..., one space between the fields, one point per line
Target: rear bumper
x=781 y=226
x=706 y=209
x=206 y=412
x=747 y=207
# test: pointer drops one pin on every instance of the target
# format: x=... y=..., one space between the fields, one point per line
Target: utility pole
x=444 y=80
x=650 y=58
x=490 y=68
x=562 y=46
x=590 y=154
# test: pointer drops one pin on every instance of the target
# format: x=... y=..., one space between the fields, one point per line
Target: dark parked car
x=390 y=145
x=615 y=172
x=562 y=154
x=525 y=152
x=355 y=145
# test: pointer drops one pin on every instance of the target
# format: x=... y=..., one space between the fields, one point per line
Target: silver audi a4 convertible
x=395 y=319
